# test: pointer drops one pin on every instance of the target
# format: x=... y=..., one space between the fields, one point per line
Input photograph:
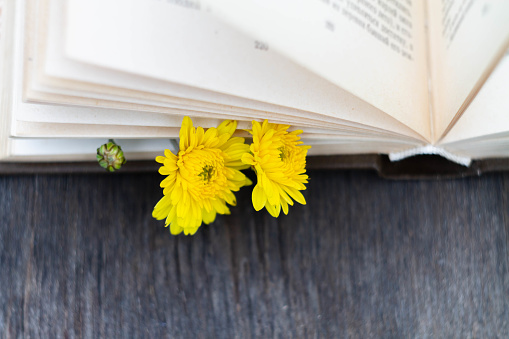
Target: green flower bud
x=110 y=156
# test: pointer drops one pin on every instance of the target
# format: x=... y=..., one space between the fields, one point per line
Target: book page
x=467 y=38
x=75 y=149
x=373 y=49
x=487 y=115
x=7 y=42
x=180 y=42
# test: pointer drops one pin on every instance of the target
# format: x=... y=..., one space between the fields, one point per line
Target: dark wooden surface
x=81 y=256
x=416 y=167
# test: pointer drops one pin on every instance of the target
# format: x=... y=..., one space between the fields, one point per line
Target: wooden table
x=81 y=256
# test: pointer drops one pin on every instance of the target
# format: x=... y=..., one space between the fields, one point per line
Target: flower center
x=204 y=169
x=208 y=173
x=284 y=154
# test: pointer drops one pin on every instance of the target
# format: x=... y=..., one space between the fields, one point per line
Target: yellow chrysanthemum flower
x=279 y=160
x=202 y=177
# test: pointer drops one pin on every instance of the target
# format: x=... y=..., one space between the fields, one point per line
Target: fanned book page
x=483 y=129
x=374 y=50
x=202 y=52
x=467 y=40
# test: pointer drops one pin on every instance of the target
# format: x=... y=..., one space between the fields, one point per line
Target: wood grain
x=81 y=257
x=413 y=168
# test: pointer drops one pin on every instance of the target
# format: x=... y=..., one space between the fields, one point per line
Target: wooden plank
x=81 y=257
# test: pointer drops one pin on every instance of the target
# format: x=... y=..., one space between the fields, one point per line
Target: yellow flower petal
x=259 y=197
x=162 y=208
x=272 y=210
x=169 y=155
x=208 y=216
x=185 y=131
x=296 y=195
x=284 y=205
x=227 y=126
x=248 y=159
x=175 y=229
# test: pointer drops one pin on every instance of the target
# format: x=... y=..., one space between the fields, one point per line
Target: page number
x=261 y=45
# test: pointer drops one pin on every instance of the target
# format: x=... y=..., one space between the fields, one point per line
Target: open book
x=396 y=77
